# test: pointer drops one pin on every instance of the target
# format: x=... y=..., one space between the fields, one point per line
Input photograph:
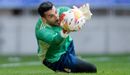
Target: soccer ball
x=72 y=20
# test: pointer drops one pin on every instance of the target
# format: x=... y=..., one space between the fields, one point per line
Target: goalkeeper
x=55 y=46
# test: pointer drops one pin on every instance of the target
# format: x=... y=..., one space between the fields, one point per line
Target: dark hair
x=45 y=6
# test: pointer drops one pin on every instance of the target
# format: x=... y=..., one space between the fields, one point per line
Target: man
x=55 y=46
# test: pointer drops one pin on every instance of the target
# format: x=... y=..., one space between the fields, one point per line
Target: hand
x=68 y=31
x=64 y=33
x=86 y=11
x=64 y=25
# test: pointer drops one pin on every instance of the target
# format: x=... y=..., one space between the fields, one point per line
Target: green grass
x=106 y=65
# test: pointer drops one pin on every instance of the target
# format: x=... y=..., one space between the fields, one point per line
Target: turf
x=106 y=65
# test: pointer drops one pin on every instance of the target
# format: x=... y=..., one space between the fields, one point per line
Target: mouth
x=58 y=22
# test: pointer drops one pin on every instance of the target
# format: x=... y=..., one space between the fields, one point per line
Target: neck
x=43 y=20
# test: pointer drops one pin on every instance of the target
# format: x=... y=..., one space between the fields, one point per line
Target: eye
x=51 y=16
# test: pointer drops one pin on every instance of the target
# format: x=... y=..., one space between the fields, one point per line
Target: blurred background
x=107 y=32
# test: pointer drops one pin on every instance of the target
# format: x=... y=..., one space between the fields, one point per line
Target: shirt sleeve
x=51 y=37
x=62 y=9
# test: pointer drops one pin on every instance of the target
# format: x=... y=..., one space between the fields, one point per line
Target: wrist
x=64 y=33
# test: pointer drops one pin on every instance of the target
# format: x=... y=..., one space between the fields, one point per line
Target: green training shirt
x=51 y=43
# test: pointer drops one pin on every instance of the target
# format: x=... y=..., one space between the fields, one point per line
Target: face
x=51 y=16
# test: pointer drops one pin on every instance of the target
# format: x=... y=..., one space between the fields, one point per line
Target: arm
x=62 y=9
x=49 y=36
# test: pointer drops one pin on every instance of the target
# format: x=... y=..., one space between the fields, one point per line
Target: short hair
x=44 y=7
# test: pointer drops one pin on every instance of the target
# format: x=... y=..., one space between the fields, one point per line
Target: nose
x=57 y=16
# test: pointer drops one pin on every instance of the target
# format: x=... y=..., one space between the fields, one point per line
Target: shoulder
x=38 y=24
x=62 y=9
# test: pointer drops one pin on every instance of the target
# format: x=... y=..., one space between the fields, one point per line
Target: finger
x=75 y=7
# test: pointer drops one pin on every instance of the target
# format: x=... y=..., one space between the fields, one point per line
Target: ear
x=43 y=19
